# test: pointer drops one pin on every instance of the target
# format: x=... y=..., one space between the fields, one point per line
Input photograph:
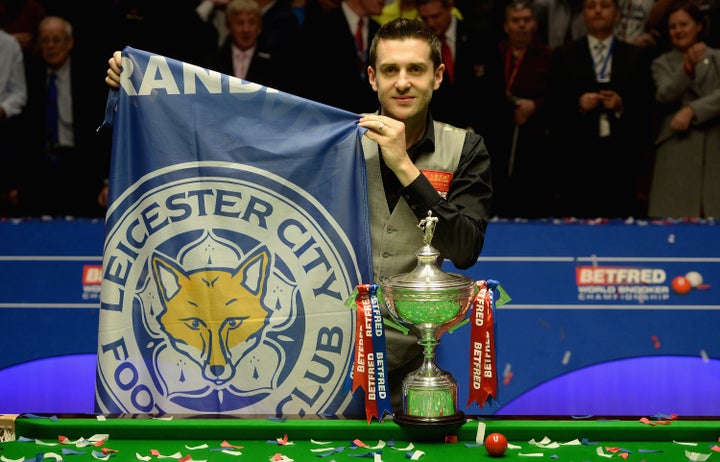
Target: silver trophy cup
x=428 y=302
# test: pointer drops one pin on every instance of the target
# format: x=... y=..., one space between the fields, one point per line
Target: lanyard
x=511 y=74
x=603 y=69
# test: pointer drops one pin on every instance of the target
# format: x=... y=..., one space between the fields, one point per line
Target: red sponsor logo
x=92 y=275
x=604 y=275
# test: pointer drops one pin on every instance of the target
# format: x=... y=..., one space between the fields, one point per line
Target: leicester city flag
x=237 y=229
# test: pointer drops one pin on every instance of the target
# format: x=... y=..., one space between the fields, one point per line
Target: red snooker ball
x=496 y=444
x=681 y=285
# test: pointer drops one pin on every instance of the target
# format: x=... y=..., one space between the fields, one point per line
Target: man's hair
x=404 y=29
x=242 y=6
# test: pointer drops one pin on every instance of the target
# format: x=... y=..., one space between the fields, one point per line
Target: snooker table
x=257 y=439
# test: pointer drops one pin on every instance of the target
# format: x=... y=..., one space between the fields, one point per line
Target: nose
x=402 y=83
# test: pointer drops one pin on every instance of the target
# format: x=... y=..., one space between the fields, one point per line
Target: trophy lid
x=427 y=275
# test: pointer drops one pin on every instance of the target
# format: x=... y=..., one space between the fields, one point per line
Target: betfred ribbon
x=369 y=367
x=483 y=358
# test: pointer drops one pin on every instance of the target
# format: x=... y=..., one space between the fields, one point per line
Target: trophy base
x=430 y=428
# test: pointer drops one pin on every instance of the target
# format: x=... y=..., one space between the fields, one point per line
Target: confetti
x=684 y=443
x=225 y=444
x=530 y=454
x=193 y=448
x=415 y=455
x=704 y=356
x=480 y=434
x=656 y=342
x=7 y=459
x=696 y=456
x=566 y=358
x=280 y=458
x=602 y=453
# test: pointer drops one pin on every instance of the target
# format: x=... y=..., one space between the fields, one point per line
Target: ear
x=439 y=72
x=372 y=78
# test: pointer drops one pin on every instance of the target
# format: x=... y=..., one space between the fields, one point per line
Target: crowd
x=588 y=108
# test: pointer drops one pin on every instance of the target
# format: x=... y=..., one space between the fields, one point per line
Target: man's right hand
x=113 y=72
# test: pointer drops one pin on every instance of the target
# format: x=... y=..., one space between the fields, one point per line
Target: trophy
x=429 y=301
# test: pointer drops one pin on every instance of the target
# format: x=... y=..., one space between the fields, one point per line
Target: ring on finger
x=382 y=125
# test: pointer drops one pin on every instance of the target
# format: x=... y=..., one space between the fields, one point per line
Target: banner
x=237 y=228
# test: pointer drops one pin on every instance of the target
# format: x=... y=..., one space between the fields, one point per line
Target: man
x=519 y=171
x=66 y=159
x=402 y=146
x=339 y=38
x=13 y=96
x=600 y=97
x=471 y=91
x=242 y=55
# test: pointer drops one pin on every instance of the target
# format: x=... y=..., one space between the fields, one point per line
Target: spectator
x=471 y=92
x=600 y=98
x=242 y=56
x=333 y=36
x=13 y=96
x=520 y=171
x=66 y=160
x=686 y=177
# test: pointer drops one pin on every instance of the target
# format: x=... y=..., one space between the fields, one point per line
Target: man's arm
x=464 y=215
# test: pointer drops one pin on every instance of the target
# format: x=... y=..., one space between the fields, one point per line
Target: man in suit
x=242 y=56
x=66 y=158
x=471 y=92
x=333 y=38
x=600 y=97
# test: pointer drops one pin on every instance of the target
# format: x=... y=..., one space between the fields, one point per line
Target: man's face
x=520 y=26
x=55 y=45
x=600 y=17
x=436 y=16
x=404 y=79
x=244 y=28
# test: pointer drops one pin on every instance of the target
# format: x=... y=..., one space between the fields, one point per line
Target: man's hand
x=389 y=134
x=113 y=72
x=682 y=119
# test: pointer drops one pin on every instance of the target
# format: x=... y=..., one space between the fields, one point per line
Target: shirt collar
x=592 y=41
x=351 y=17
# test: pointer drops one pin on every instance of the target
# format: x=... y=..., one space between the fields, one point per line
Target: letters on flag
x=237 y=228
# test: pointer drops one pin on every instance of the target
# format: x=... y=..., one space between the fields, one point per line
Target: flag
x=236 y=229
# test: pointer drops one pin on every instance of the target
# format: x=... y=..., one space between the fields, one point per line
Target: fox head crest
x=214 y=316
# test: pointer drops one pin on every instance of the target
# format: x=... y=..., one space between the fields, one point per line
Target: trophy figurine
x=428 y=302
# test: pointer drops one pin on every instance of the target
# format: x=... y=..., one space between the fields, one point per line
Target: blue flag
x=236 y=230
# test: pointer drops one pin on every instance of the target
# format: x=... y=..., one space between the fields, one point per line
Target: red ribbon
x=364 y=358
x=483 y=367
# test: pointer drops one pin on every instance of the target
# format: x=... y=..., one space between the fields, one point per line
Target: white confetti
x=480 y=435
x=139 y=457
x=192 y=448
x=575 y=442
x=417 y=455
x=531 y=454
x=566 y=358
x=696 y=456
x=704 y=356
x=7 y=459
x=684 y=443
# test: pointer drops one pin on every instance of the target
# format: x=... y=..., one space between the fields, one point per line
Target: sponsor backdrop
x=606 y=318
